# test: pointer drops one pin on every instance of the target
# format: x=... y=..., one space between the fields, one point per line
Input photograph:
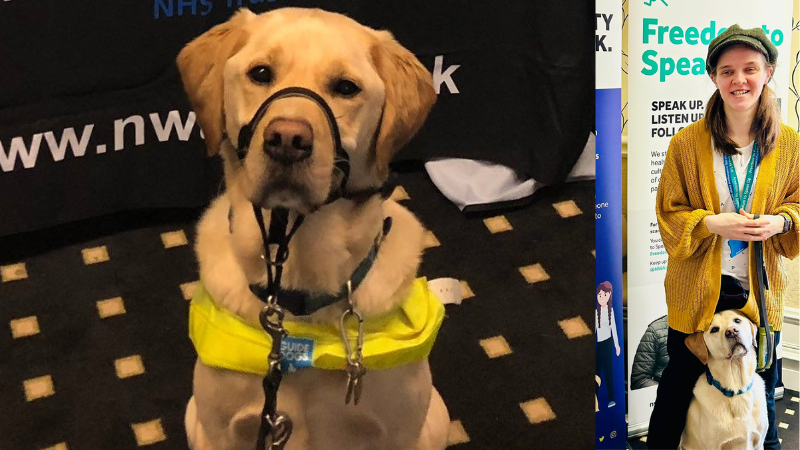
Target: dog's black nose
x=288 y=141
x=731 y=332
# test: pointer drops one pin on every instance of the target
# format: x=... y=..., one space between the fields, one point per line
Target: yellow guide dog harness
x=405 y=335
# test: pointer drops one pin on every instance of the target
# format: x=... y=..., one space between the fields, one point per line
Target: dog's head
x=378 y=92
x=731 y=336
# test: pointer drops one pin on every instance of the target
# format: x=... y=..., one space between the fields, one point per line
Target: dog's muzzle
x=288 y=141
x=291 y=141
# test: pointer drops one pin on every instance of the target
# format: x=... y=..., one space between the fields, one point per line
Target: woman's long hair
x=766 y=123
x=605 y=286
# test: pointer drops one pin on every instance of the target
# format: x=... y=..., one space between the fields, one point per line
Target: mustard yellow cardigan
x=687 y=194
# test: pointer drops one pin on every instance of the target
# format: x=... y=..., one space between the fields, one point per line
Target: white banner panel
x=667 y=90
x=608 y=44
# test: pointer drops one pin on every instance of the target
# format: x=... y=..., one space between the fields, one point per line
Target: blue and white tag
x=737 y=247
x=296 y=354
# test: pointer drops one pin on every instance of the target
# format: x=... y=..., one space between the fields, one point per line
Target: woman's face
x=602 y=297
x=740 y=77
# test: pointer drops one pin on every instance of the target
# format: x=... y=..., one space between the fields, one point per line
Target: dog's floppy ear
x=697 y=345
x=201 y=64
x=409 y=97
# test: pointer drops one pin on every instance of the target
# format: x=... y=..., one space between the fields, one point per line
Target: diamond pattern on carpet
x=97 y=355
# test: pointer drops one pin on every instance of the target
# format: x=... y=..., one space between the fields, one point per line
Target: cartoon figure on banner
x=605 y=326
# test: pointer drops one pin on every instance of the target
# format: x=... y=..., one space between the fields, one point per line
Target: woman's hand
x=775 y=222
x=740 y=227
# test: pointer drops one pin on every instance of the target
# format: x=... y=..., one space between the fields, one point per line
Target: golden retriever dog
x=379 y=95
x=729 y=408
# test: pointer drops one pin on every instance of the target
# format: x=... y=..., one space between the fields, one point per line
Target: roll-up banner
x=668 y=89
x=609 y=363
x=94 y=119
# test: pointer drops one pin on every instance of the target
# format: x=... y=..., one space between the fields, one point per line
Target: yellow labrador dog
x=729 y=409
x=343 y=91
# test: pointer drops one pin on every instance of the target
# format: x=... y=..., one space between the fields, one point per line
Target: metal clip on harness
x=355 y=359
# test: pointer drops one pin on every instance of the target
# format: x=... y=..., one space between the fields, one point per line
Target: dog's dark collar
x=727 y=392
x=302 y=303
x=362 y=195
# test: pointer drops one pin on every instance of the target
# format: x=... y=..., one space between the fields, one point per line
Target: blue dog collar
x=726 y=391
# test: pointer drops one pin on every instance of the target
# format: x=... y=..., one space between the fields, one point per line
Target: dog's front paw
x=244 y=304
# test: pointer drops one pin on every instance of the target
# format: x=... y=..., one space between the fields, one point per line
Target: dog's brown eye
x=737 y=320
x=260 y=74
x=345 y=88
x=714 y=329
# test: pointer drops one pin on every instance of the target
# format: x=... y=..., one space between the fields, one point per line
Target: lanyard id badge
x=740 y=198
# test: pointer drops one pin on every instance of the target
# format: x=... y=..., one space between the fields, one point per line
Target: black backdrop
x=78 y=77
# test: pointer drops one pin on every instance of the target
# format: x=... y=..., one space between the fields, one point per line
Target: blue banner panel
x=610 y=425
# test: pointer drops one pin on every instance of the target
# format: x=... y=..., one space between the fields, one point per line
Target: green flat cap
x=755 y=38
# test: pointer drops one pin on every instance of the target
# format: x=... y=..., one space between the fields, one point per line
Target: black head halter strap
x=341 y=159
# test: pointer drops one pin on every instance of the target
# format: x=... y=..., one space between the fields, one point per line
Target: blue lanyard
x=740 y=200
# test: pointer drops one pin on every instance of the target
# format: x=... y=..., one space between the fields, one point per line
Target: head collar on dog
x=341 y=159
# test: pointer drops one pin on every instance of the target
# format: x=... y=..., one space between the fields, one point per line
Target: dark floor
x=97 y=355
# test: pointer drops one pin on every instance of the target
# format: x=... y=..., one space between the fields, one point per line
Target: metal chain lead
x=274 y=423
x=355 y=359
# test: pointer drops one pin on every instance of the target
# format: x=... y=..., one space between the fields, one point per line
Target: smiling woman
x=707 y=218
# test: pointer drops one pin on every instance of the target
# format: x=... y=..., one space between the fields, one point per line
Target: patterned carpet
x=97 y=356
